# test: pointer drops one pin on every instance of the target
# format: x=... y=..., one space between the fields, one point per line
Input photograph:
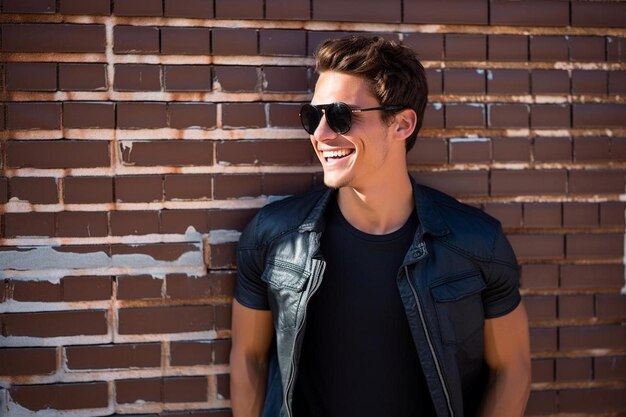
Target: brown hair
x=392 y=70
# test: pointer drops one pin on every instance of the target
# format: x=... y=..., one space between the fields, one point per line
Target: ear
x=404 y=124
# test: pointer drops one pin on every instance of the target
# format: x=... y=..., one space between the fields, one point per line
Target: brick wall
x=139 y=137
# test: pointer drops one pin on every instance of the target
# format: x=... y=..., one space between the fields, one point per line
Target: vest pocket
x=286 y=283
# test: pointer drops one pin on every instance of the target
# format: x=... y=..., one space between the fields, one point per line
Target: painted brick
x=542 y=370
x=55 y=323
x=552 y=149
x=181 y=40
x=508 y=115
x=138 y=188
x=540 y=307
x=138 y=7
x=581 y=215
x=138 y=287
x=466 y=151
x=617 y=82
x=550 y=116
x=534 y=246
x=31 y=76
x=138 y=115
x=598 y=14
x=587 y=48
x=132 y=77
x=33 y=115
x=549 y=48
x=77 y=115
x=596 y=181
x=284 y=115
x=171 y=319
x=550 y=82
x=235 y=186
x=188 y=187
x=427 y=46
x=92 y=7
x=234 y=41
x=508 y=48
x=145 y=355
x=612 y=214
x=189 y=8
x=543 y=339
x=588 y=149
x=50 y=37
x=178 y=221
x=464 y=81
x=82 y=77
x=41 y=291
x=542 y=403
x=135 y=39
x=465 y=115
x=595 y=245
x=590 y=82
x=82 y=224
x=542 y=215
x=87 y=190
x=86 y=288
x=188 y=77
x=243 y=9
x=58 y=154
x=598 y=115
x=592 y=276
x=466 y=47
x=182 y=286
x=243 y=115
x=446 y=11
x=529 y=13
x=573 y=369
x=572 y=307
x=27 y=361
x=509 y=214
x=288 y=9
x=134 y=223
x=528 y=182
x=434 y=116
x=177 y=153
x=61 y=396
x=507 y=81
x=609 y=368
x=457 y=183
x=29 y=224
x=282 y=42
x=29 y=6
x=511 y=149
x=286 y=79
x=33 y=189
x=357 y=11
x=237 y=78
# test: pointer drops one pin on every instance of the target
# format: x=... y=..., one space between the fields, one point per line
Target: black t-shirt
x=358 y=356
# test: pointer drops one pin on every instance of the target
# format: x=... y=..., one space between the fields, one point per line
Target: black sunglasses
x=338 y=116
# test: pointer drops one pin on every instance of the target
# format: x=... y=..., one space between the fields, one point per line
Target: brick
x=549 y=48
x=539 y=276
x=27 y=361
x=236 y=186
x=138 y=287
x=552 y=149
x=4 y=190
x=282 y=42
x=243 y=115
x=29 y=224
x=33 y=115
x=135 y=39
x=581 y=215
x=427 y=46
x=316 y=38
x=535 y=246
x=35 y=190
x=286 y=79
x=55 y=323
x=138 y=188
x=234 y=41
x=138 y=115
x=138 y=7
x=511 y=149
x=507 y=81
x=192 y=115
x=609 y=368
x=53 y=37
x=222 y=256
x=529 y=13
x=509 y=214
x=543 y=339
x=41 y=291
x=223 y=317
x=595 y=245
x=286 y=184
x=587 y=48
x=446 y=11
x=182 y=286
x=138 y=390
x=31 y=76
x=592 y=400
x=428 y=151
x=457 y=183
x=434 y=80
x=598 y=115
x=185 y=389
x=465 y=115
x=610 y=306
x=144 y=355
x=542 y=403
x=550 y=116
x=86 y=288
x=540 y=307
x=87 y=190
x=243 y=9
x=77 y=115
x=612 y=214
x=168 y=252
x=542 y=370
x=573 y=307
x=191 y=353
x=237 y=78
x=61 y=396
x=508 y=115
x=550 y=82
x=596 y=181
x=137 y=77
x=598 y=14
x=29 y=6
x=528 y=182
x=466 y=47
x=223 y=386
x=189 y=8
x=358 y=11
x=616 y=49
x=92 y=7
x=2 y=108
x=288 y=9
x=588 y=149
x=464 y=81
x=592 y=276
x=188 y=187
x=542 y=215
x=284 y=115
x=284 y=152
x=618 y=149
x=178 y=221
x=223 y=284
x=188 y=78
x=82 y=77
x=184 y=40
x=589 y=82
x=82 y=224
x=434 y=116
x=508 y=48
x=58 y=154
x=170 y=319
x=616 y=81
x=463 y=151
x=168 y=153
x=231 y=219
x=134 y=223
x=573 y=369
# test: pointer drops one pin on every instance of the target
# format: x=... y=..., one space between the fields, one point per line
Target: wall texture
x=139 y=137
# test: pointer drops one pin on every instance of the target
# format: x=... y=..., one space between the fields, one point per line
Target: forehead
x=335 y=86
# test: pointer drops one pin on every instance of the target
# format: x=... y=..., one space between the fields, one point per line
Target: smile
x=338 y=154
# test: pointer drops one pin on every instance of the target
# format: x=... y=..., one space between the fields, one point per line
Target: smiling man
x=374 y=295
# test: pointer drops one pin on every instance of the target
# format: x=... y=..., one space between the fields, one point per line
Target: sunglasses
x=338 y=116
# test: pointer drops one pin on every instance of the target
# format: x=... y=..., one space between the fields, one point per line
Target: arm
x=507 y=353
x=252 y=333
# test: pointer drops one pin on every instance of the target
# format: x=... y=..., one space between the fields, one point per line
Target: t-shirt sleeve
x=501 y=295
x=250 y=289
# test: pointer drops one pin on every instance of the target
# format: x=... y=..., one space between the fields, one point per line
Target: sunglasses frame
x=322 y=110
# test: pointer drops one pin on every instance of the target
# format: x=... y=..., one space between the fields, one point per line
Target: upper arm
x=252 y=331
x=506 y=339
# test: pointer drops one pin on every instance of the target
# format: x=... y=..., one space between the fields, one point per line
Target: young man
x=375 y=296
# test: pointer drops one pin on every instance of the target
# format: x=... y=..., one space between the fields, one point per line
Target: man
x=375 y=296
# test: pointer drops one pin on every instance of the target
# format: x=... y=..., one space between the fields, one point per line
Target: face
x=359 y=157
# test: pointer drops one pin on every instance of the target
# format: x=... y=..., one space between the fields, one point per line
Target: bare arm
x=252 y=333
x=507 y=352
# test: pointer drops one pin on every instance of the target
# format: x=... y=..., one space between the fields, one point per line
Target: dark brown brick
x=553 y=149
x=223 y=283
x=540 y=276
x=138 y=390
x=588 y=246
x=145 y=355
x=27 y=361
x=41 y=291
x=282 y=42
x=434 y=116
x=609 y=368
x=29 y=224
x=466 y=47
x=587 y=48
x=529 y=13
x=507 y=81
x=511 y=149
x=543 y=339
x=357 y=11
x=185 y=389
x=178 y=221
x=86 y=288
x=87 y=190
x=55 y=323
x=616 y=49
x=549 y=48
x=231 y=219
x=464 y=81
x=284 y=152
x=222 y=256
x=284 y=115
x=31 y=76
x=465 y=115
x=600 y=14
x=446 y=11
x=428 y=151
x=591 y=337
x=182 y=286
x=596 y=181
x=617 y=82
x=575 y=307
x=189 y=8
x=82 y=224
x=542 y=215
x=139 y=188
x=243 y=9
x=540 y=307
x=234 y=41
x=581 y=214
x=33 y=115
x=237 y=78
x=137 y=77
x=34 y=189
x=135 y=39
x=192 y=115
x=58 y=154
x=598 y=115
x=188 y=187
x=434 y=80
x=134 y=223
x=288 y=9
x=612 y=214
x=138 y=115
x=457 y=183
x=593 y=400
x=315 y=38
x=425 y=45
x=588 y=149
x=138 y=7
x=223 y=386
x=29 y=6
x=77 y=115
x=191 y=353
x=610 y=306
x=82 y=77
x=534 y=246
x=508 y=115
x=474 y=150
x=618 y=149
x=4 y=191
x=550 y=116
x=138 y=287
x=550 y=82
x=542 y=403
x=92 y=7
x=53 y=37
x=171 y=319
x=509 y=214
x=286 y=184
x=528 y=182
x=168 y=153
x=508 y=48
x=573 y=369
x=188 y=78
x=236 y=186
x=223 y=317
x=592 y=276
x=285 y=79
x=77 y=396
x=179 y=40
x=589 y=82
x=243 y=115
x=542 y=370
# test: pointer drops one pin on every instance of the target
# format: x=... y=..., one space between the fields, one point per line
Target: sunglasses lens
x=310 y=118
x=339 y=117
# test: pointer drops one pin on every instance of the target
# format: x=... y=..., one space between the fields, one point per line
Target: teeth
x=336 y=154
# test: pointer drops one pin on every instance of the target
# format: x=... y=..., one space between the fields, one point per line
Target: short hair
x=392 y=71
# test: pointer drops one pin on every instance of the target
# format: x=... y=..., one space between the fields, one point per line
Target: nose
x=323 y=132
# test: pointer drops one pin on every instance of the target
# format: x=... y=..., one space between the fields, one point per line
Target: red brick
x=540 y=307
x=284 y=152
x=592 y=149
x=53 y=37
x=222 y=256
x=189 y=8
x=61 y=396
x=138 y=188
x=4 y=190
x=29 y=6
x=87 y=190
x=600 y=116
x=511 y=149
x=135 y=39
x=534 y=246
x=618 y=149
x=581 y=215
x=463 y=150
x=31 y=76
x=82 y=224
x=192 y=115
x=550 y=81
x=543 y=339
x=427 y=46
x=243 y=9
x=508 y=115
x=506 y=81
x=589 y=82
x=609 y=368
x=237 y=78
x=282 y=42
x=223 y=283
x=617 y=82
x=243 y=115
x=616 y=49
x=357 y=11
x=42 y=291
x=553 y=149
x=138 y=7
x=134 y=223
x=592 y=276
x=542 y=403
x=610 y=306
x=433 y=116
x=286 y=184
x=434 y=80
x=138 y=115
x=191 y=353
x=58 y=154
x=528 y=182
x=223 y=386
x=315 y=38
x=612 y=214
x=286 y=79
x=596 y=181
x=33 y=115
x=178 y=221
x=573 y=369
x=185 y=389
x=27 y=361
x=188 y=187
x=592 y=400
x=138 y=390
x=55 y=323
x=145 y=355
x=188 y=78
x=138 y=287
x=234 y=41
x=457 y=183
x=587 y=48
x=595 y=245
x=508 y=48
x=86 y=288
x=29 y=224
x=92 y=7
x=591 y=337
x=542 y=215
x=35 y=190
x=137 y=77
x=77 y=115
x=465 y=115
x=466 y=47
x=509 y=214
x=428 y=151
x=446 y=11
x=82 y=77
x=542 y=370
x=168 y=153
x=182 y=286
x=223 y=317
x=550 y=116
x=171 y=319
x=185 y=40
x=236 y=186
x=464 y=81
x=231 y=219
x=540 y=276
x=288 y=9
x=529 y=13
x=598 y=14
x=576 y=307
x=549 y=48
